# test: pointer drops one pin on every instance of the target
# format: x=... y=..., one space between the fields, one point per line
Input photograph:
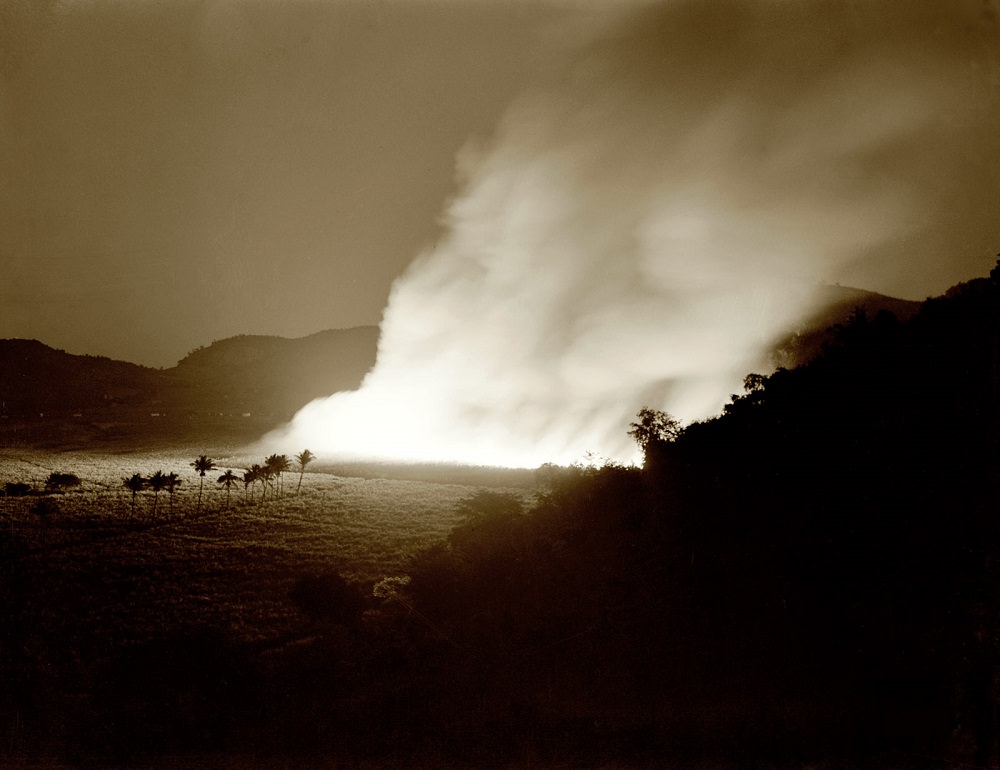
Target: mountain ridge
x=235 y=389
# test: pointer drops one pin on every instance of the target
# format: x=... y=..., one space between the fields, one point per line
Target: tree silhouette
x=157 y=482
x=250 y=477
x=228 y=480
x=275 y=465
x=754 y=382
x=202 y=465
x=282 y=465
x=265 y=475
x=172 y=482
x=302 y=459
x=653 y=429
x=254 y=474
x=134 y=484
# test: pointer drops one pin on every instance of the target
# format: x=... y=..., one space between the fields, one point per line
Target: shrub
x=16 y=489
x=60 y=481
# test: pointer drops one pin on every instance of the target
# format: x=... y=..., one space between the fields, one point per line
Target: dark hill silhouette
x=276 y=376
x=233 y=389
x=836 y=304
x=36 y=379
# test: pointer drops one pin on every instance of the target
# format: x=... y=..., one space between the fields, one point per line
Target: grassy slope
x=105 y=579
x=110 y=623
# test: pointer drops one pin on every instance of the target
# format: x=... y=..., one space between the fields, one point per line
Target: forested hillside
x=811 y=576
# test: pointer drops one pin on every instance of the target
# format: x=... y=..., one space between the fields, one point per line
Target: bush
x=60 y=481
x=16 y=489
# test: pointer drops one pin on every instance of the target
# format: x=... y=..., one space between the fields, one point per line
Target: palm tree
x=228 y=480
x=256 y=473
x=134 y=484
x=266 y=477
x=302 y=459
x=282 y=465
x=250 y=476
x=173 y=481
x=202 y=465
x=157 y=482
x=276 y=465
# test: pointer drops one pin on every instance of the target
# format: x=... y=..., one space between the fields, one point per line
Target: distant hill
x=35 y=379
x=276 y=376
x=837 y=304
x=232 y=390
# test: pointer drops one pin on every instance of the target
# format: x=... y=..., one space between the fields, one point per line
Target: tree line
x=57 y=481
x=269 y=474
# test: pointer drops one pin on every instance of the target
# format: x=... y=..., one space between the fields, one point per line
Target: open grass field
x=127 y=573
x=87 y=582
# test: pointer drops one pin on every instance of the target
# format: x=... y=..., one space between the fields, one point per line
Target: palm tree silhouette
x=250 y=477
x=302 y=459
x=276 y=465
x=135 y=484
x=172 y=482
x=202 y=465
x=157 y=482
x=228 y=480
x=266 y=476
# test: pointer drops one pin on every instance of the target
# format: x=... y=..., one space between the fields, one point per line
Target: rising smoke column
x=645 y=223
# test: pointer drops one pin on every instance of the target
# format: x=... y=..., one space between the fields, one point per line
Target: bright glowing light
x=636 y=235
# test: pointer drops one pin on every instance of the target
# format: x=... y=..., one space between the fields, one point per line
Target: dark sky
x=177 y=172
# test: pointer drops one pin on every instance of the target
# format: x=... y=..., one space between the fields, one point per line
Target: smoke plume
x=649 y=219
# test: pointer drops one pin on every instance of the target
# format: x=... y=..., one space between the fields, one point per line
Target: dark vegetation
x=233 y=390
x=836 y=304
x=808 y=579
x=269 y=475
x=56 y=483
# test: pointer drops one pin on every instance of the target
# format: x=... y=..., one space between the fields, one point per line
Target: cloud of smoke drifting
x=648 y=221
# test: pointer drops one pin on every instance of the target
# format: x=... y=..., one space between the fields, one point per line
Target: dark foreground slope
x=843 y=533
x=234 y=390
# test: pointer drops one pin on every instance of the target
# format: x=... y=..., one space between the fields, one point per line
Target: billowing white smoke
x=639 y=231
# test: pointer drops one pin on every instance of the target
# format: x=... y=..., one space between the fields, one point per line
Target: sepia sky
x=176 y=172
x=179 y=171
